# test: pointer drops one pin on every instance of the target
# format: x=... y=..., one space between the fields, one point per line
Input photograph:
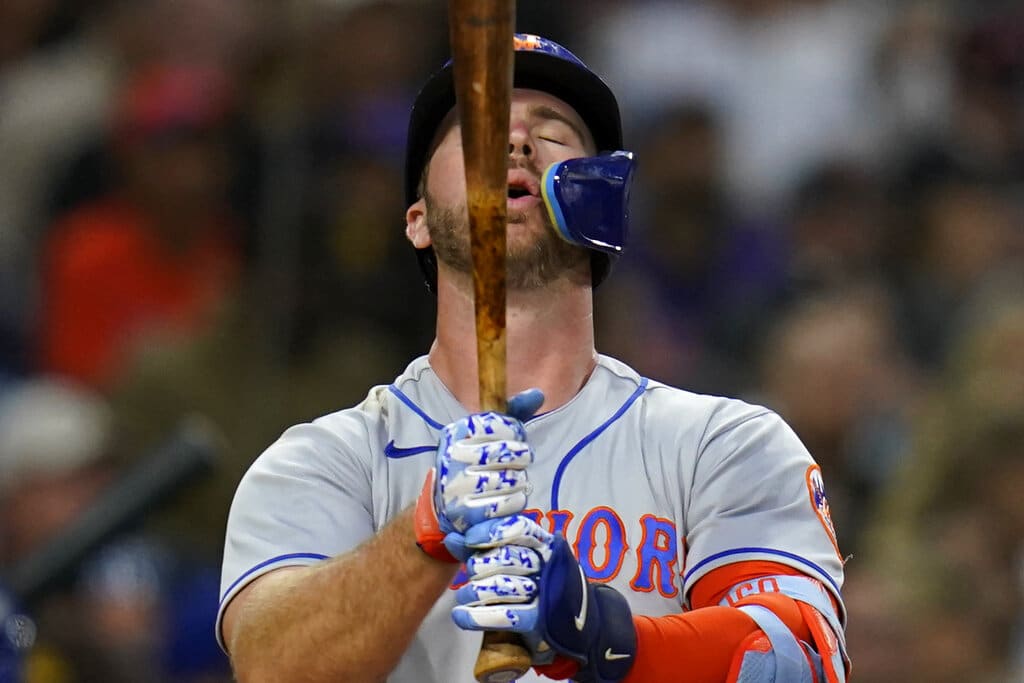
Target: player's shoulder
x=404 y=405
x=713 y=415
x=323 y=441
x=359 y=418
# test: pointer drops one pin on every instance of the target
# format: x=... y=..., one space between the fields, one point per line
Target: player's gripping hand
x=526 y=580
x=479 y=474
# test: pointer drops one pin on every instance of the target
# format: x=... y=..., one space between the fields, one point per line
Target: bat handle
x=502 y=658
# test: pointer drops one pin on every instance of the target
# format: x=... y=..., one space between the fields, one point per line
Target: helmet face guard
x=539 y=64
x=588 y=200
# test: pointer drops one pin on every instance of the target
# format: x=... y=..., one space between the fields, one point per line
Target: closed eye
x=557 y=142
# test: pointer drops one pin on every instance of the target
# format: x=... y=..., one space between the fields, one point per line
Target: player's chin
x=519 y=217
x=525 y=236
x=528 y=223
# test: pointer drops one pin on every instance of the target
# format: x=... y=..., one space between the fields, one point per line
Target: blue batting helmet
x=539 y=64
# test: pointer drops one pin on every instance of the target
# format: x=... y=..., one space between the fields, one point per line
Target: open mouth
x=521 y=186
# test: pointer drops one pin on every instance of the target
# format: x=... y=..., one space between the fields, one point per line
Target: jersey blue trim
x=766 y=551
x=415 y=408
x=585 y=441
x=261 y=565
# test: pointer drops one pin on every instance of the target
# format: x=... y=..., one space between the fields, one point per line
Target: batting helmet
x=539 y=64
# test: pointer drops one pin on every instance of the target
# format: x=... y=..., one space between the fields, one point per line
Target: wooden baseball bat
x=481 y=41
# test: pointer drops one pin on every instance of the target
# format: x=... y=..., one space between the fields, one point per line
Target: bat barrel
x=482 y=52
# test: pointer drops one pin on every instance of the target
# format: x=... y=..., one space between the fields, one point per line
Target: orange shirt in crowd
x=110 y=282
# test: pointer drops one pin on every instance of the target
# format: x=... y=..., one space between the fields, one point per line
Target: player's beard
x=543 y=260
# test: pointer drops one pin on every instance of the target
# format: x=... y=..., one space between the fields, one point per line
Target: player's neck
x=550 y=339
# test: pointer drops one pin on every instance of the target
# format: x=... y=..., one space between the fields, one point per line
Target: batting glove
x=526 y=580
x=479 y=474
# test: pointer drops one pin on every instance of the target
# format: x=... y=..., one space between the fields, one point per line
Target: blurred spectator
x=135 y=612
x=335 y=91
x=357 y=85
x=53 y=464
x=837 y=229
x=700 y=279
x=961 y=231
x=833 y=369
x=958 y=188
x=61 y=66
x=915 y=74
x=336 y=302
x=360 y=78
x=989 y=133
x=362 y=312
x=951 y=529
x=352 y=252
x=214 y=35
x=790 y=80
x=22 y=23
x=151 y=614
x=156 y=256
x=54 y=438
x=54 y=100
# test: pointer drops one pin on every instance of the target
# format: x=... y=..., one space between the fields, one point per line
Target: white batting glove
x=479 y=474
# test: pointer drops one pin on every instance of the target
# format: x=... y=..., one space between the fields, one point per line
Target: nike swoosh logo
x=393 y=451
x=581 y=618
x=612 y=656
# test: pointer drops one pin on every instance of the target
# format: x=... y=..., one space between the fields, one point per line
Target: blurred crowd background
x=200 y=213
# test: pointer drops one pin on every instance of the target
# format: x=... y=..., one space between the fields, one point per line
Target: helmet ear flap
x=588 y=200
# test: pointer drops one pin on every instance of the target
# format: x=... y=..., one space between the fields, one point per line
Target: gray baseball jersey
x=652 y=485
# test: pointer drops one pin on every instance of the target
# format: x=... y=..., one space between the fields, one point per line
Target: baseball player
x=625 y=530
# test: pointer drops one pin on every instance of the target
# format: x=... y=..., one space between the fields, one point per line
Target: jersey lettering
x=656 y=554
x=558 y=521
x=767 y=584
x=601 y=544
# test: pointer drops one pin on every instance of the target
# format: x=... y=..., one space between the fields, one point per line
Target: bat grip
x=502 y=658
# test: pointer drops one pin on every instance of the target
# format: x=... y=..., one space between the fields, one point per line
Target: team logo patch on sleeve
x=819 y=501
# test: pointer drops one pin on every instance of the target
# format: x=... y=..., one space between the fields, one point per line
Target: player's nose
x=519 y=141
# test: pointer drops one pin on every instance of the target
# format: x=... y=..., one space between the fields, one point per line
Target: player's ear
x=416 y=224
